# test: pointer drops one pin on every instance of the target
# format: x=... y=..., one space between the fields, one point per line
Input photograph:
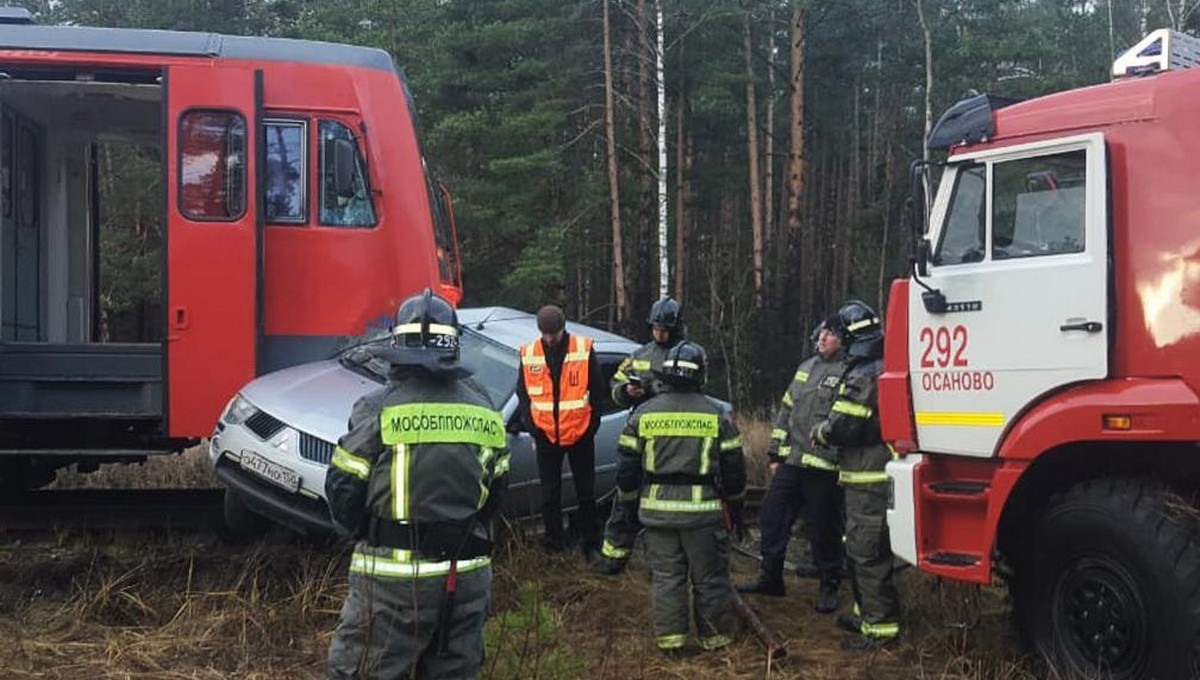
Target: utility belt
x=434 y=541
x=681 y=478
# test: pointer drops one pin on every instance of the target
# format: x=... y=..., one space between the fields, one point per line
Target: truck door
x=213 y=243
x=1020 y=252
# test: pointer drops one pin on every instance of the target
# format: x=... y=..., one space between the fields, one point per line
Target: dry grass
x=188 y=470
x=134 y=606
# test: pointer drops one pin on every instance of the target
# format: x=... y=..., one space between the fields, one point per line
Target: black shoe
x=763 y=586
x=807 y=570
x=850 y=623
x=608 y=567
x=863 y=643
x=827 y=598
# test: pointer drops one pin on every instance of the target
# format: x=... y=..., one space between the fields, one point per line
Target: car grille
x=314 y=449
x=264 y=424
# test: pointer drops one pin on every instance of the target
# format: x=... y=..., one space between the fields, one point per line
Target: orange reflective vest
x=563 y=418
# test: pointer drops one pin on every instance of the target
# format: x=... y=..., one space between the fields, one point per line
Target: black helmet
x=685 y=366
x=425 y=334
x=860 y=329
x=815 y=335
x=666 y=312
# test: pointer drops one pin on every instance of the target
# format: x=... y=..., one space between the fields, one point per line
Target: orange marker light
x=1118 y=422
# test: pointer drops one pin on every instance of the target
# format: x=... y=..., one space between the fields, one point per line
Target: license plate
x=272 y=472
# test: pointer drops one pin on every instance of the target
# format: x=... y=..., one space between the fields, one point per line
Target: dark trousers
x=816 y=493
x=582 y=457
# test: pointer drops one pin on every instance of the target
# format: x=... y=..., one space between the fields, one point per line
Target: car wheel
x=240 y=520
x=1111 y=585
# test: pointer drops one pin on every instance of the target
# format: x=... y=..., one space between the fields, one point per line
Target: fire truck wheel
x=1112 y=582
x=241 y=521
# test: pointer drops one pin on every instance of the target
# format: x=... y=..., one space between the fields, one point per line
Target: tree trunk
x=756 y=227
x=928 y=77
x=769 y=136
x=660 y=85
x=643 y=273
x=796 y=123
x=683 y=162
x=614 y=194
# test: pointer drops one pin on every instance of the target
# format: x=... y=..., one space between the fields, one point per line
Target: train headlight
x=238 y=410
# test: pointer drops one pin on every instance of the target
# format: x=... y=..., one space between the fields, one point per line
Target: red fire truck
x=1043 y=365
x=287 y=195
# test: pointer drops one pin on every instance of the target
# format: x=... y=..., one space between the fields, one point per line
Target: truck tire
x=240 y=520
x=1111 y=584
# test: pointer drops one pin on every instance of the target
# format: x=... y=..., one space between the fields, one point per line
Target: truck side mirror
x=341 y=167
x=921 y=261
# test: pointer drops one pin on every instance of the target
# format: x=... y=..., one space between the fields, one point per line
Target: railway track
x=92 y=509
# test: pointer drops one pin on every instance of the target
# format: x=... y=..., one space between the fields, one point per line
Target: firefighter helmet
x=860 y=329
x=666 y=312
x=685 y=366
x=425 y=334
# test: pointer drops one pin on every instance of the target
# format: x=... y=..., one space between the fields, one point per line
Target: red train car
x=180 y=212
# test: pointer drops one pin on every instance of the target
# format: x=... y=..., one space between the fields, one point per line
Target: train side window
x=348 y=205
x=6 y=164
x=212 y=165
x=286 y=171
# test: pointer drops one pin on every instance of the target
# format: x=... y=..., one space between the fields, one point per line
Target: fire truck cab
x=180 y=212
x=1042 y=378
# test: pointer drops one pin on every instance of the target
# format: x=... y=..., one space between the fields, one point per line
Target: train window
x=345 y=195
x=212 y=165
x=6 y=164
x=287 y=168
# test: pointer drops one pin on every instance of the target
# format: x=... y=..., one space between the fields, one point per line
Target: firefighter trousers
x=699 y=556
x=389 y=628
x=620 y=531
x=869 y=551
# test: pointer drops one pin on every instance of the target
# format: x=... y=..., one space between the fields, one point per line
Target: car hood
x=315 y=398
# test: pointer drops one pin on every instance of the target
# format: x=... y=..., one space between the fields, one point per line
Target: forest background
x=785 y=127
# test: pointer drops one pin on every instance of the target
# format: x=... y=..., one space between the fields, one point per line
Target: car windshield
x=492 y=365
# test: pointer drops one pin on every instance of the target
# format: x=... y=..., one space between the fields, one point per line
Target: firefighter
x=633 y=384
x=805 y=477
x=559 y=394
x=415 y=482
x=852 y=425
x=683 y=458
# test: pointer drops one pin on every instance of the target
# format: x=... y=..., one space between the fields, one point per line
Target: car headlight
x=238 y=410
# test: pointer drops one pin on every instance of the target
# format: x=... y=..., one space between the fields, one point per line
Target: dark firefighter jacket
x=639 y=367
x=418 y=476
x=853 y=425
x=806 y=402
x=685 y=456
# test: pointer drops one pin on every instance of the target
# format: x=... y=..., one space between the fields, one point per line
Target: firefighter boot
x=607 y=566
x=851 y=623
x=827 y=596
x=769 y=582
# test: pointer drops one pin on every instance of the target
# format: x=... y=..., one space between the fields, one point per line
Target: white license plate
x=272 y=472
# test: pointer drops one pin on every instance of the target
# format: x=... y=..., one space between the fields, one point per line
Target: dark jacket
x=639 y=367
x=806 y=402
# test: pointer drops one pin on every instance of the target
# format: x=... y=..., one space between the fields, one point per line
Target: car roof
x=513 y=328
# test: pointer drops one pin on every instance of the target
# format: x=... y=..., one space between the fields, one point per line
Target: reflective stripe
x=641 y=365
x=351 y=464
x=573 y=357
x=862 y=477
x=714 y=642
x=619 y=377
x=706 y=456
x=441 y=423
x=534 y=390
x=801 y=376
x=650 y=455
x=862 y=324
x=438 y=328
x=664 y=424
x=961 y=419
x=731 y=444
x=779 y=434
x=697 y=493
x=851 y=409
x=787 y=399
x=629 y=442
x=785 y=450
x=815 y=461
x=670 y=641
x=627 y=495
x=613 y=552
x=880 y=630
x=548 y=405
x=400 y=462
x=400 y=566
x=680 y=505
x=680 y=363
x=503 y=464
